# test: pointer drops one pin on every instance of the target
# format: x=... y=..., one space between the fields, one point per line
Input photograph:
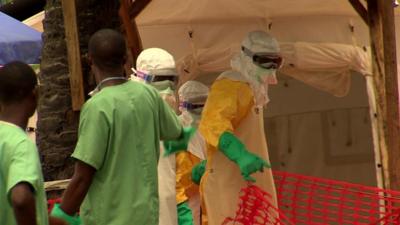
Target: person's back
x=126 y=158
x=22 y=195
x=156 y=67
x=120 y=128
x=19 y=161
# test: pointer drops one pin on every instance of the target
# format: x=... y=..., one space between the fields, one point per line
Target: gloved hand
x=198 y=171
x=59 y=213
x=236 y=151
x=181 y=144
x=185 y=216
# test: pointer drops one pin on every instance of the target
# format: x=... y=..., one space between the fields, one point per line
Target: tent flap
x=324 y=66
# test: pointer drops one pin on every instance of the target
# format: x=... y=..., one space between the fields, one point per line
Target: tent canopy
x=321 y=41
x=18 y=41
x=324 y=43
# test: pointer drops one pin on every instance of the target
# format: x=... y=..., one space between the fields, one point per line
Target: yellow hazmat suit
x=192 y=96
x=235 y=105
x=230 y=107
x=185 y=188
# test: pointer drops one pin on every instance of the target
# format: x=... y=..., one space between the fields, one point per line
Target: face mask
x=186 y=119
x=196 y=119
x=168 y=96
x=265 y=76
x=197 y=111
x=196 y=116
x=164 y=85
x=190 y=119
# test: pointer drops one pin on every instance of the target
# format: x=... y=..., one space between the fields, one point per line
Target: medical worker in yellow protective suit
x=233 y=127
x=156 y=67
x=192 y=97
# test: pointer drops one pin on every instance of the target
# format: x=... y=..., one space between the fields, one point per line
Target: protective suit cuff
x=230 y=145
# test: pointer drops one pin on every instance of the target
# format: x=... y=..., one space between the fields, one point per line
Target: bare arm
x=23 y=203
x=77 y=188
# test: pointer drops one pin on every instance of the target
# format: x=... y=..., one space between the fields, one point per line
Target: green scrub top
x=19 y=162
x=119 y=132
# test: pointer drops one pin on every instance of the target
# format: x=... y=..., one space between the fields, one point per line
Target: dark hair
x=107 y=49
x=17 y=81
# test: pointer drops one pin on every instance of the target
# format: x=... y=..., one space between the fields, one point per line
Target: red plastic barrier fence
x=255 y=208
x=51 y=203
x=316 y=201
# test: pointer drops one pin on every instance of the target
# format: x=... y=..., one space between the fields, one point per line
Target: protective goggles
x=264 y=60
x=190 y=106
x=165 y=85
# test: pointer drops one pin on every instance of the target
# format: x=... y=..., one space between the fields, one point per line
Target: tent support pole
x=127 y=11
x=360 y=9
x=380 y=149
x=74 y=55
x=383 y=46
x=391 y=92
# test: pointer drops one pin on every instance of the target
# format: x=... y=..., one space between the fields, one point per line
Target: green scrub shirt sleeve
x=94 y=128
x=24 y=167
x=170 y=127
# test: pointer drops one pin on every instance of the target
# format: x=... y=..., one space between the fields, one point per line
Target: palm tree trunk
x=57 y=122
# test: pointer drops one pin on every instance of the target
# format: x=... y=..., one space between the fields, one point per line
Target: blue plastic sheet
x=18 y=41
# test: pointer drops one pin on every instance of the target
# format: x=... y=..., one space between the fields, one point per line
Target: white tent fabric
x=323 y=43
x=160 y=12
x=315 y=36
x=314 y=133
x=325 y=66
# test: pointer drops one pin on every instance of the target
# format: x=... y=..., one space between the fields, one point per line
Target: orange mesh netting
x=316 y=201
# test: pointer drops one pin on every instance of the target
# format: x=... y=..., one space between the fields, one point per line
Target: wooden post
x=74 y=55
x=372 y=91
x=383 y=46
x=391 y=126
x=128 y=13
x=360 y=9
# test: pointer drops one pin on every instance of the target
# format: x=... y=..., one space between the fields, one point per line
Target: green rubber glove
x=185 y=216
x=198 y=171
x=236 y=151
x=181 y=144
x=59 y=213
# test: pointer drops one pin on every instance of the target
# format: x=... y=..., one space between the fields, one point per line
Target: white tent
x=318 y=120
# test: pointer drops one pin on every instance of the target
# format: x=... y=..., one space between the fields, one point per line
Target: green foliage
x=3 y=2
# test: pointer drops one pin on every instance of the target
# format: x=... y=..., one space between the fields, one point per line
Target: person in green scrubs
x=22 y=195
x=120 y=129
